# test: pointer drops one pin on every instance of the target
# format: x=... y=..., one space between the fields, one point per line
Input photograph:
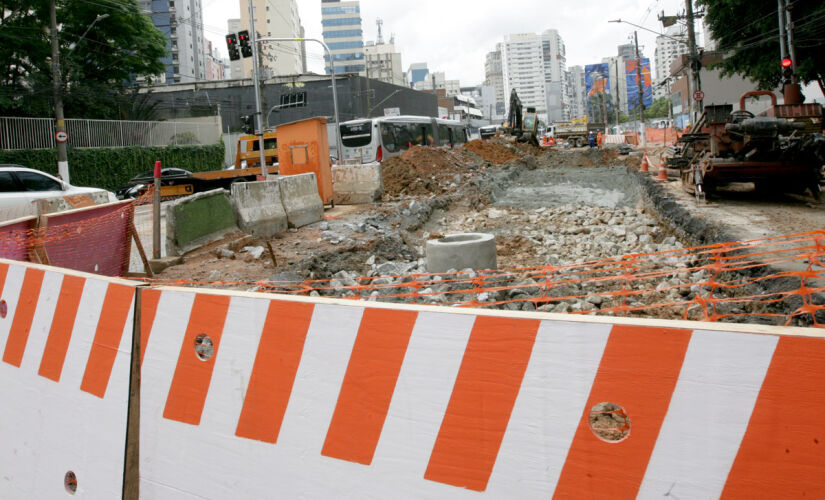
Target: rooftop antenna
x=380 y=23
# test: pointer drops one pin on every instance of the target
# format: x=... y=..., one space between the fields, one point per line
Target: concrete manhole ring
x=461 y=251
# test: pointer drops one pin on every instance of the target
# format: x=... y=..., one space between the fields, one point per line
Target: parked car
x=20 y=186
x=138 y=184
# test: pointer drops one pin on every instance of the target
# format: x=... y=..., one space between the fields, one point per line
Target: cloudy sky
x=455 y=35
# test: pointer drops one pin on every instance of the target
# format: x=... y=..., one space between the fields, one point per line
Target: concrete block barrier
x=614 y=139
x=302 y=203
x=199 y=219
x=357 y=184
x=258 y=208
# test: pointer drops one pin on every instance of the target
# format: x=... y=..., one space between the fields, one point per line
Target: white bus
x=376 y=139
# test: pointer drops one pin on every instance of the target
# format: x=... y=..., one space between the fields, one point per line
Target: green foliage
x=747 y=31
x=659 y=108
x=95 y=68
x=110 y=168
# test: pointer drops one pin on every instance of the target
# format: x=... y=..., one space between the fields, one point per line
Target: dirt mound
x=528 y=149
x=491 y=151
x=423 y=170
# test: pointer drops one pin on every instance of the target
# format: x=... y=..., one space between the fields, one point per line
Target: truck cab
x=248 y=155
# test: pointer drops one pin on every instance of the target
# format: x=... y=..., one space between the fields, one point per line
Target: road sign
x=698 y=96
x=392 y=111
x=61 y=136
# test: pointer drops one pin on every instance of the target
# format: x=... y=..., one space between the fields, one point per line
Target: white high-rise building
x=277 y=18
x=668 y=50
x=555 y=67
x=578 y=92
x=494 y=77
x=522 y=64
x=383 y=63
x=343 y=35
x=182 y=24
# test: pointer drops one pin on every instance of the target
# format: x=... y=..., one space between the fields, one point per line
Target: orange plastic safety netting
x=777 y=280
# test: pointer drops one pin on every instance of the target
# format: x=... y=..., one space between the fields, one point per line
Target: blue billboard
x=633 y=84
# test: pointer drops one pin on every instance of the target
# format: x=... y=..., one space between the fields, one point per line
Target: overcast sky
x=454 y=36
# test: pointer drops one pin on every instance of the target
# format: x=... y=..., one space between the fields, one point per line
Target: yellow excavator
x=521 y=123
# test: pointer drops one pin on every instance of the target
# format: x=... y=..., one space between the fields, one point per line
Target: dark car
x=138 y=184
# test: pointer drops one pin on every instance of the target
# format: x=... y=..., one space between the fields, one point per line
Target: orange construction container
x=303 y=147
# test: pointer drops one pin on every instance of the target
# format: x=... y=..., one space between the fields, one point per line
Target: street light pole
x=60 y=125
x=257 y=84
x=332 y=79
x=695 y=61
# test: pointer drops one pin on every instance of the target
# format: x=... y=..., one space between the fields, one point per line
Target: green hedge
x=110 y=168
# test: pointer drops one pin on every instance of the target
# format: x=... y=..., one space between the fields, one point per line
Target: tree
x=96 y=68
x=659 y=108
x=747 y=31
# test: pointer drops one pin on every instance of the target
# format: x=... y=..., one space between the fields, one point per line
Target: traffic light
x=246 y=124
x=787 y=69
x=246 y=47
x=232 y=47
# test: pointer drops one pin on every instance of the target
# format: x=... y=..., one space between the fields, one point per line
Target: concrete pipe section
x=461 y=251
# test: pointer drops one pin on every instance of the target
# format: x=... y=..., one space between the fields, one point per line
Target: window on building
x=294 y=100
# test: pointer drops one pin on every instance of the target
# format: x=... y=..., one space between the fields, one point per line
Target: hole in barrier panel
x=4 y=308
x=203 y=347
x=609 y=422
x=70 y=482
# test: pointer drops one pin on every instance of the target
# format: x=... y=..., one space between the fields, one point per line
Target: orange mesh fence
x=773 y=280
x=95 y=239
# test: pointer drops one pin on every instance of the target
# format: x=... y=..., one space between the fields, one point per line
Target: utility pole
x=618 y=96
x=780 y=7
x=367 y=59
x=57 y=88
x=791 y=48
x=640 y=84
x=257 y=84
x=695 y=61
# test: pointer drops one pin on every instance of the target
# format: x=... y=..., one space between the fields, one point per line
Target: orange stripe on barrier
x=782 y=454
x=149 y=299
x=638 y=372
x=193 y=374
x=479 y=410
x=4 y=269
x=372 y=373
x=23 y=316
x=60 y=333
x=276 y=363
x=109 y=332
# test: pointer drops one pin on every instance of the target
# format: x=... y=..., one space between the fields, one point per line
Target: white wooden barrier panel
x=65 y=340
x=256 y=396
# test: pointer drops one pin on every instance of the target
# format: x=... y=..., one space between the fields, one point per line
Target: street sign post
x=61 y=136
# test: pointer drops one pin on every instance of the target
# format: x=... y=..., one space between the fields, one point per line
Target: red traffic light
x=230 y=40
x=787 y=63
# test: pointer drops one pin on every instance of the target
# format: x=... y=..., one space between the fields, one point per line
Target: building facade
x=667 y=51
x=182 y=24
x=578 y=94
x=341 y=22
x=276 y=18
x=522 y=64
x=214 y=65
x=555 y=67
x=383 y=63
x=417 y=72
x=494 y=77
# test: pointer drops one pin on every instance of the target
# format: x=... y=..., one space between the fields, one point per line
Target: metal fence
x=38 y=133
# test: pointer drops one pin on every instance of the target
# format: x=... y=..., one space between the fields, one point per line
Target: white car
x=20 y=186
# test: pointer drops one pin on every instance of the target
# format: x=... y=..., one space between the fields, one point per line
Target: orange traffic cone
x=662 y=171
x=644 y=163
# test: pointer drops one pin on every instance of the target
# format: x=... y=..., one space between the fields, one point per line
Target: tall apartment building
x=213 y=63
x=668 y=50
x=277 y=18
x=383 y=63
x=555 y=67
x=341 y=22
x=522 y=64
x=494 y=77
x=181 y=21
x=235 y=67
x=577 y=91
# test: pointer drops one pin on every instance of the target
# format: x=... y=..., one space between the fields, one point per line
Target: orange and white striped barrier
x=65 y=341
x=250 y=396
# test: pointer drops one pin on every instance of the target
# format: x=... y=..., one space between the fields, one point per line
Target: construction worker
x=599 y=139
x=591 y=139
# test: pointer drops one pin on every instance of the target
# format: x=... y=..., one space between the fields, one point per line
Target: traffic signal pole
x=62 y=155
x=258 y=112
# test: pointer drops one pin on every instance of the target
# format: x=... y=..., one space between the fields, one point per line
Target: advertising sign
x=633 y=84
x=597 y=79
